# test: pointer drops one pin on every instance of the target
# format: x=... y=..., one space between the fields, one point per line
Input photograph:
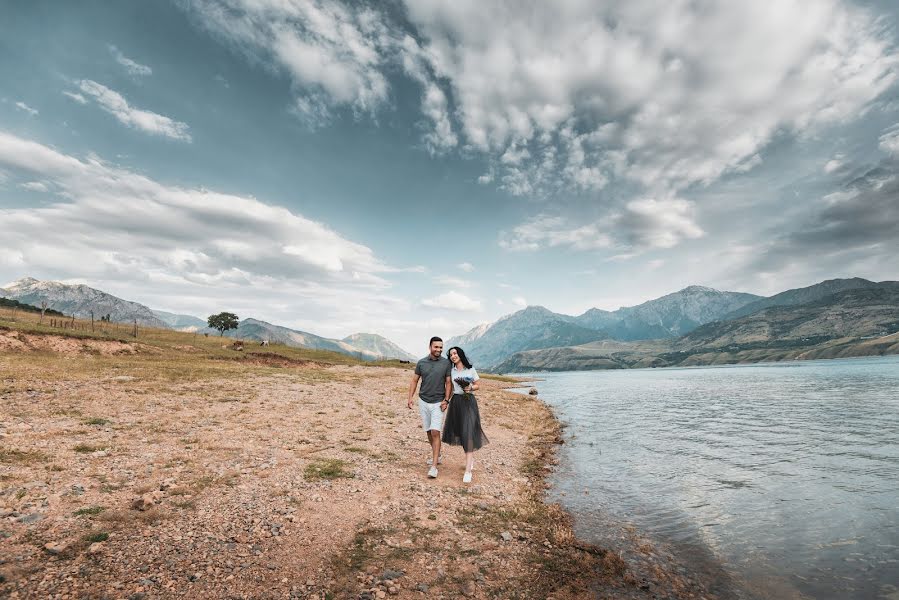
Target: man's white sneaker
x=439 y=460
x=432 y=472
x=467 y=477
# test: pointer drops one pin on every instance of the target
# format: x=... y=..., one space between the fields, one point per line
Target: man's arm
x=447 y=393
x=412 y=386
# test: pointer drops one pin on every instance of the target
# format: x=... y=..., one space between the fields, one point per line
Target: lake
x=784 y=477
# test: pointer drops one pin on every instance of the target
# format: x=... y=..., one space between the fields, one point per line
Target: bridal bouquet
x=464 y=382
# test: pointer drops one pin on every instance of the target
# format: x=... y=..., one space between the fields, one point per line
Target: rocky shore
x=127 y=472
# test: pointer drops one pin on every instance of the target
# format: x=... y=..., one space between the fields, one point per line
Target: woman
x=462 y=424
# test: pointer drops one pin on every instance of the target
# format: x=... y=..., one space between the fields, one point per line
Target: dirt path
x=306 y=483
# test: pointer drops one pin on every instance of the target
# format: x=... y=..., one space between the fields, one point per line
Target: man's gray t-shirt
x=433 y=375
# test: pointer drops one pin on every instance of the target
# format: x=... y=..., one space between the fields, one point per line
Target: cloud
x=333 y=53
x=116 y=223
x=584 y=93
x=24 y=107
x=144 y=120
x=642 y=224
x=455 y=282
x=465 y=266
x=133 y=68
x=520 y=302
x=662 y=223
x=453 y=301
x=548 y=232
x=34 y=186
x=852 y=230
x=889 y=140
x=76 y=97
x=834 y=164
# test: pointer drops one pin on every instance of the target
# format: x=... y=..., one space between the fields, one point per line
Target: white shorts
x=431 y=415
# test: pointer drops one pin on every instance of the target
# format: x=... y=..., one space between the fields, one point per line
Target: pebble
x=507 y=537
x=29 y=519
x=56 y=548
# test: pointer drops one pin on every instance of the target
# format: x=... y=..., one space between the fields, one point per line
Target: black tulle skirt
x=462 y=423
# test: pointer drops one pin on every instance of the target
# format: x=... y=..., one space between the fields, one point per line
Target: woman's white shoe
x=467 y=477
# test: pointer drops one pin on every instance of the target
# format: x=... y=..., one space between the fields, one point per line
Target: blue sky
x=418 y=168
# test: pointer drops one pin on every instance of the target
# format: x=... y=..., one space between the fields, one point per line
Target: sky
x=417 y=168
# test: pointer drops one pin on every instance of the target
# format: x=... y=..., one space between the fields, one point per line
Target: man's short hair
x=434 y=339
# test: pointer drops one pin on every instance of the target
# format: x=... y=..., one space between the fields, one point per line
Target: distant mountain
x=182 y=322
x=801 y=295
x=377 y=345
x=532 y=327
x=536 y=327
x=254 y=329
x=854 y=322
x=675 y=314
x=860 y=312
x=80 y=300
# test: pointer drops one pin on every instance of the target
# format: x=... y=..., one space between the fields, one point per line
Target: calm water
x=786 y=475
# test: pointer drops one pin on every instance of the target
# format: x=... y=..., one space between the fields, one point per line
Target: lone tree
x=223 y=322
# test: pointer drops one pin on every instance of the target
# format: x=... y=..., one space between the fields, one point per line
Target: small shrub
x=87 y=448
x=11 y=455
x=89 y=511
x=96 y=421
x=327 y=468
x=93 y=538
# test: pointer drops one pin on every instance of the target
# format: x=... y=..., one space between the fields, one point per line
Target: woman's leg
x=469 y=461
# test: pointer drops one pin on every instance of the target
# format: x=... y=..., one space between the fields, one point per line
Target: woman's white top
x=457 y=389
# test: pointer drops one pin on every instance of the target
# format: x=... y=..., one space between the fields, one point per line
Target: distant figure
x=463 y=420
x=433 y=396
x=264 y=343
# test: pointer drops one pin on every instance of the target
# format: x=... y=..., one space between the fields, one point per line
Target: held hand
x=409 y=404
x=444 y=405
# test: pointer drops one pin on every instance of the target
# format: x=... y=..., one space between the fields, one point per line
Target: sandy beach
x=166 y=470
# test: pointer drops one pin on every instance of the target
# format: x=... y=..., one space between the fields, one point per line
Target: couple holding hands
x=446 y=386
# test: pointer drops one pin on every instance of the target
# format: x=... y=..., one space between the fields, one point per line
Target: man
x=433 y=397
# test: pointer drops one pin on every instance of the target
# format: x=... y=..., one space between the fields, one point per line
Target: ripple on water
x=787 y=475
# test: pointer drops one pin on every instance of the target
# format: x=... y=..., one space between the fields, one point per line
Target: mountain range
x=857 y=318
x=696 y=325
x=82 y=300
x=536 y=327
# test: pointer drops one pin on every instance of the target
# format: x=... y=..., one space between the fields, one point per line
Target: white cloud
x=144 y=120
x=122 y=225
x=466 y=266
x=833 y=164
x=133 y=68
x=546 y=231
x=333 y=53
x=453 y=301
x=455 y=282
x=889 y=140
x=520 y=302
x=664 y=97
x=652 y=223
x=24 y=107
x=643 y=224
x=34 y=186
x=76 y=97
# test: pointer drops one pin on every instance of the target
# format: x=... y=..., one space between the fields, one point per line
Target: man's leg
x=435 y=446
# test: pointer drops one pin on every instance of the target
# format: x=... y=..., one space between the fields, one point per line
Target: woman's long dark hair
x=462 y=356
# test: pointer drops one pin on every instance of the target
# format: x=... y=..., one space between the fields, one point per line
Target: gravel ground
x=303 y=482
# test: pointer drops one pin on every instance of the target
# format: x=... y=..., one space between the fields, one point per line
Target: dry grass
x=327 y=468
